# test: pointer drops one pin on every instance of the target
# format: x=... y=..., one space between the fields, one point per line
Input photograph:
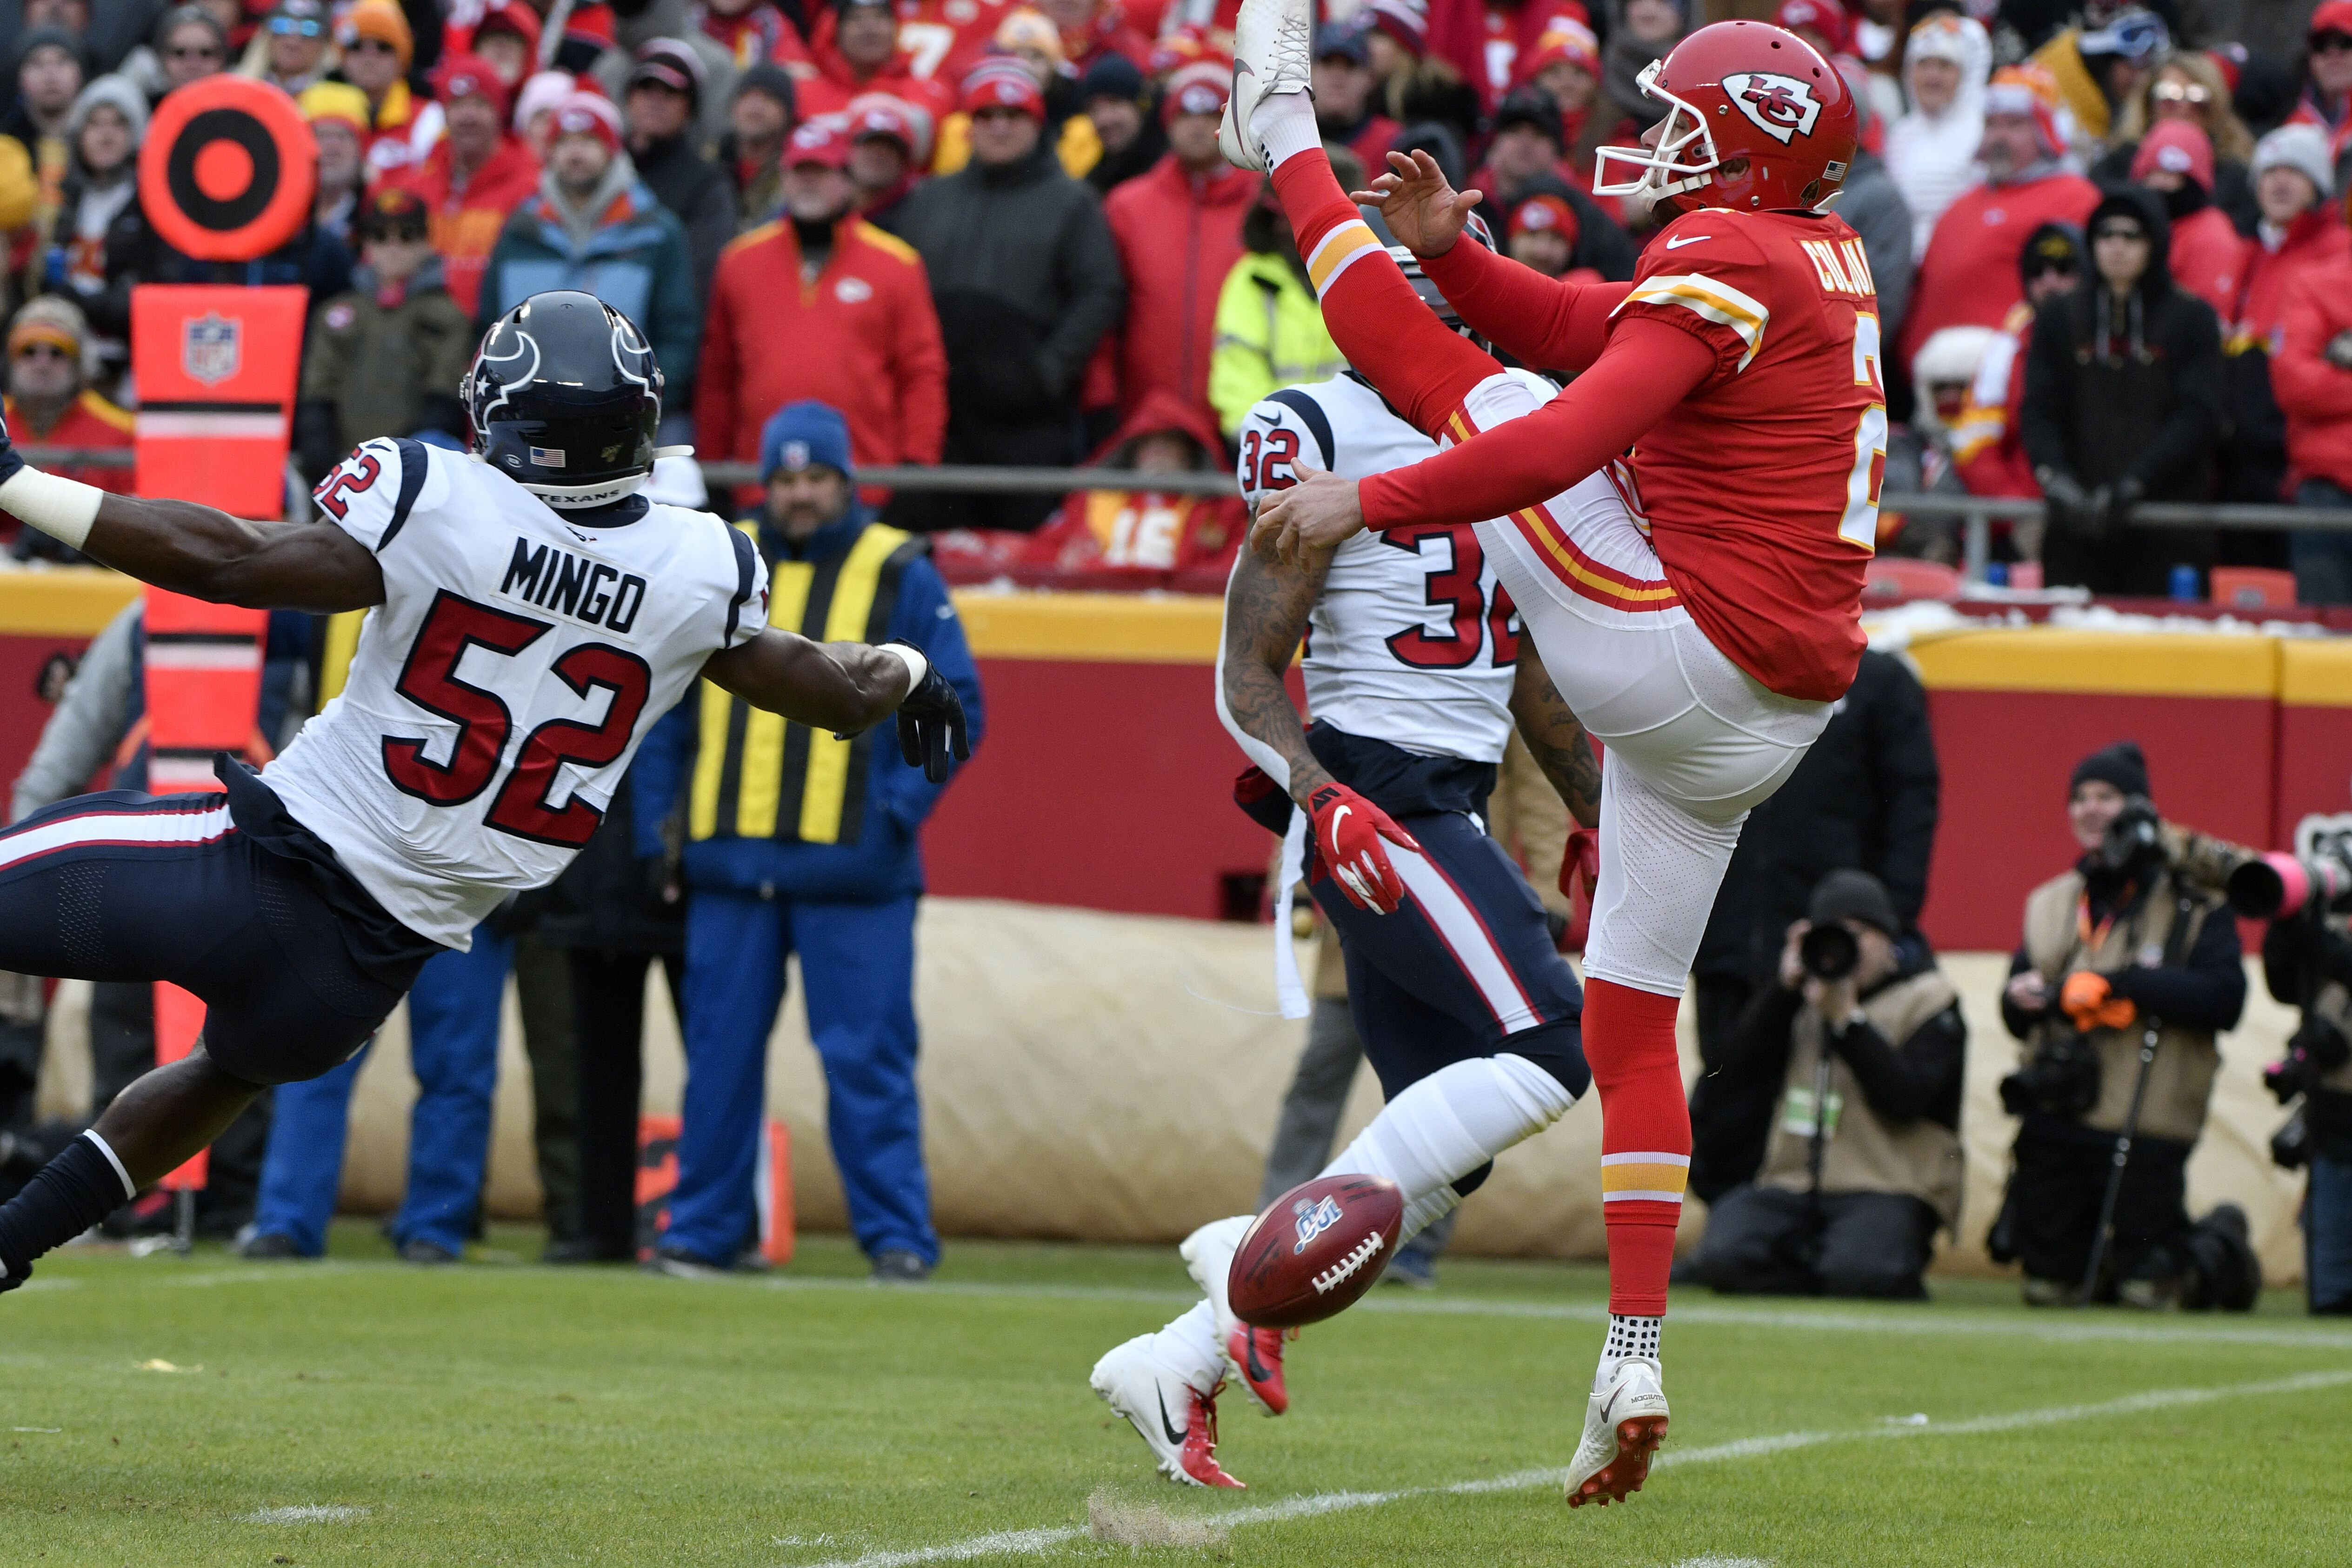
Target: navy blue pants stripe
x=128 y=887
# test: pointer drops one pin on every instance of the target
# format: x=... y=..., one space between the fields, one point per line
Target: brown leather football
x=1315 y=1251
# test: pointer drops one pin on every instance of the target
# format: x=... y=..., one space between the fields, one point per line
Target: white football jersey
x=498 y=693
x=1412 y=641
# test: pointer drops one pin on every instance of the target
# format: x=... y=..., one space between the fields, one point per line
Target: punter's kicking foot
x=1256 y=1355
x=1624 y=1422
x=1177 y=1421
x=1274 y=56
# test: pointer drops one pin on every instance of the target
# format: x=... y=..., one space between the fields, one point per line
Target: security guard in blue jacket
x=797 y=841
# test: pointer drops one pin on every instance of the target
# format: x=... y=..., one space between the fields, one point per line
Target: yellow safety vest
x=757 y=776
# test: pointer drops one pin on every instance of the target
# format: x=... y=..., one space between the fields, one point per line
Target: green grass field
x=362 y=1411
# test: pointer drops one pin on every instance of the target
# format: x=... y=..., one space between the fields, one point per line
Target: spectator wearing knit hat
x=887 y=152
x=535 y=105
x=50 y=402
x=1969 y=275
x=1113 y=98
x=475 y=178
x=664 y=93
x=385 y=358
x=2327 y=99
x=1485 y=44
x=821 y=304
x=1931 y=151
x=2192 y=87
x=1526 y=148
x=338 y=113
x=1026 y=278
x=104 y=129
x=1566 y=231
x=377 y=50
x=594 y=227
x=1179 y=232
x=1344 y=86
x=2298 y=233
x=1026 y=38
x=2176 y=161
x=757 y=120
x=50 y=74
x=508 y=38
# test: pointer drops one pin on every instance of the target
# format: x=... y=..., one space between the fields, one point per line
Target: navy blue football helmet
x=563 y=398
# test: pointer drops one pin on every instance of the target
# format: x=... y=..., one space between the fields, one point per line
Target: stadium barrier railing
x=1976 y=514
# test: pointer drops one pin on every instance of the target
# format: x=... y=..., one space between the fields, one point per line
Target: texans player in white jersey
x=530 y=616
x=1415 y=673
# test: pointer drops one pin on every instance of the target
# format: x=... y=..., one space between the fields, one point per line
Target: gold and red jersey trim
x=1591 y=579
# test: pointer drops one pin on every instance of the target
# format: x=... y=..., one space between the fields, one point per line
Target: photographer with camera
x=1864 y=1162
x=2307 y=962
x=2127 y=972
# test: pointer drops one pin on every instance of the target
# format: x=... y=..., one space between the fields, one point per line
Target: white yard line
x=1029 y=1542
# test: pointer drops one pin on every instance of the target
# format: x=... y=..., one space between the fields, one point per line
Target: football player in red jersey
x=1699 y=610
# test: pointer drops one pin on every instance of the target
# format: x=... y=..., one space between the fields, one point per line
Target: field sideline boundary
x=1031 y=1542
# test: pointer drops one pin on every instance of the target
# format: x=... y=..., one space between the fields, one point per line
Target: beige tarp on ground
x=1115 y=1078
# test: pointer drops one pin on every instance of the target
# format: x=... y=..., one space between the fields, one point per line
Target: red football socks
x=1392 y=339
x=1645 y=1138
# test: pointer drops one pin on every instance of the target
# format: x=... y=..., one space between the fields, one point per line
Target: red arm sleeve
x=1536 y=320
x=1650 y=366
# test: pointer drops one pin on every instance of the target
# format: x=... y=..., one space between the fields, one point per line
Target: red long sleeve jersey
x=1762 y=488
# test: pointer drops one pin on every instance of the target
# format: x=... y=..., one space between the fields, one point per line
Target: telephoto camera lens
x=1829 y=951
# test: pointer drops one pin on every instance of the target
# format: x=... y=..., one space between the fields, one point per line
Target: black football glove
x=2122 y=497
x=931 y=726
x=2063 y=497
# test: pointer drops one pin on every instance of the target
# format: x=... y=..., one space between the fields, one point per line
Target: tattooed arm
x=1267 y=606
x=1554 y=736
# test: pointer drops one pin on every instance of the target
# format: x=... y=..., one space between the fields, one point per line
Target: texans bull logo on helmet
x=1784 y=107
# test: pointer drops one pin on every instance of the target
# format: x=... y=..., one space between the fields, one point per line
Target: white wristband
x=916 y=665
x=63 y=509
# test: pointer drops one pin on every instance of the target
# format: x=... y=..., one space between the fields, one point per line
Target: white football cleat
x=1176 y=1421
x=1208 y=1255
x=1623 y=1424
x=1274 y=53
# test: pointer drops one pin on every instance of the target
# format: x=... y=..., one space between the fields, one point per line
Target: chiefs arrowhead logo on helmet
x=1781 y=105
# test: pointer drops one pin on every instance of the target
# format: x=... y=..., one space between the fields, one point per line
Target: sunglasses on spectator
x=369 y=46
x=308 y=26
x=199 y=52
x=42 y=351
x=2054 y=270
x=2120 y=231
x=2180 y=92
x=398 y=237
x=2331 y=43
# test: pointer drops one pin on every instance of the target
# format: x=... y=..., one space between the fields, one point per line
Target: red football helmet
x=1741 y=94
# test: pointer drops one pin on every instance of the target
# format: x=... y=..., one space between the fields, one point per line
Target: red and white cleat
x=1257 y=1356
x=1176 y=1421
x=1624 y=1423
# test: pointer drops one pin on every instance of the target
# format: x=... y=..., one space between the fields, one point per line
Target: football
x=1315 y=1250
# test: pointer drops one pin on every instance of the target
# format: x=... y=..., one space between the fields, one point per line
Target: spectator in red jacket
x=1142 y=536
x=2298 y=232
x=50 y=403
x=2176 y=161
x=821 y=304
x=2313 y=378
x=507 y=37
x=1970 y=275
x=863 y=53
x=475 y=178
x=1486 y=39
x=1344 y=85
x=1093 y=28
x=1179 y=232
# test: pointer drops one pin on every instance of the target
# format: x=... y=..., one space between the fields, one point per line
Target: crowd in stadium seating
x=996 y=234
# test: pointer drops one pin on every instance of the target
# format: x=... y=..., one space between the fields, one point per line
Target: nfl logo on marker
x=547 y=457
x=212 y=347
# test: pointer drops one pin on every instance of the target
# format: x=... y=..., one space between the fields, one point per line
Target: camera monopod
x=2123 y=1157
